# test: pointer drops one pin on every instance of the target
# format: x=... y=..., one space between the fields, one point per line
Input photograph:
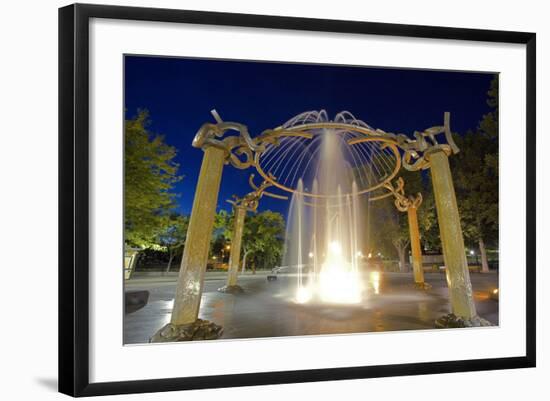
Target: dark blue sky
x=179 y=94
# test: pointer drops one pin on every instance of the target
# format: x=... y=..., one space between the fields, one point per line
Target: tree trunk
x=483 y=253
x=402 y=260
x=402 y=252
x=170 y=261
x=244 y=260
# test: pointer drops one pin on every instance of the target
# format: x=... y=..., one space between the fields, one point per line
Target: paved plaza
x=267 y=309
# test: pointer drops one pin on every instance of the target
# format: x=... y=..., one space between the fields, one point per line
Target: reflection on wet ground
x=267 y=309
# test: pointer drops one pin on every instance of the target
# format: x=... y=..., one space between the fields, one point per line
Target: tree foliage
x=475 y=173
x=263 y=239
x=150 y=173
x=389 y=233
x=172 y=238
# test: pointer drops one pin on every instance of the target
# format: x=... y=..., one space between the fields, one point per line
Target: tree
x=401 y=243
x=221 y=234
x=391 y=236
x=475 y=172
x=263 y=239
x=223 y=224
x=172 y=239
x=150 y=173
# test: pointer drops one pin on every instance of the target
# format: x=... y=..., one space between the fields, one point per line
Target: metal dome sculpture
x=295 y=150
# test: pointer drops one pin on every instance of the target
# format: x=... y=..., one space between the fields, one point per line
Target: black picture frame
x=74 y=198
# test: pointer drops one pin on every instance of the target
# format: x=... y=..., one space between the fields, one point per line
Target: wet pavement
x=267 y=308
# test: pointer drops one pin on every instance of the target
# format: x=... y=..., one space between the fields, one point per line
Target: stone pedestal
x=231 y=289
x=197 y=330
x=235 y=255
x=460 y=287
x=414 y=232
x=453 y=321
x=422 y=286
x=195 y=255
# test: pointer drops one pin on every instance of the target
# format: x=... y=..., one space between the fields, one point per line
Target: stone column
x=199 y=233
x=184 y=323
x=460 y=287
x=410 y=205
x=235 y=255
x=414 y=232
x=130 y=258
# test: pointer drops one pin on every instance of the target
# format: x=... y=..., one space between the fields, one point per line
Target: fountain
x=329 y=166
x=326 y=227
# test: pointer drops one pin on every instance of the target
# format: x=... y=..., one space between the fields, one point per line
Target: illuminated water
x=324 y=242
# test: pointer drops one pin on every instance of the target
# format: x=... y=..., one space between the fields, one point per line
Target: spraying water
x=332 y=167
x=324 y=233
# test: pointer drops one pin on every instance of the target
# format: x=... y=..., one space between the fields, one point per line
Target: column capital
x=417 y=151
x=239 y=149
x=251 y=200
x=402 y=202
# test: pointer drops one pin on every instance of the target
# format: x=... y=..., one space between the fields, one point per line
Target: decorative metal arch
x=304 y=131
x=243 y=151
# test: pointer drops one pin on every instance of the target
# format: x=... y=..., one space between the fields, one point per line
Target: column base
x=422 y=286
x=231 y=289
x=452 y=321
x=198 y=330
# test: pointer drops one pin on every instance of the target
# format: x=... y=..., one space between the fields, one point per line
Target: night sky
x=179 y=94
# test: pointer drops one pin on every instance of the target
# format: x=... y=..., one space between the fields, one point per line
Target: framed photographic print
x=250 y=199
